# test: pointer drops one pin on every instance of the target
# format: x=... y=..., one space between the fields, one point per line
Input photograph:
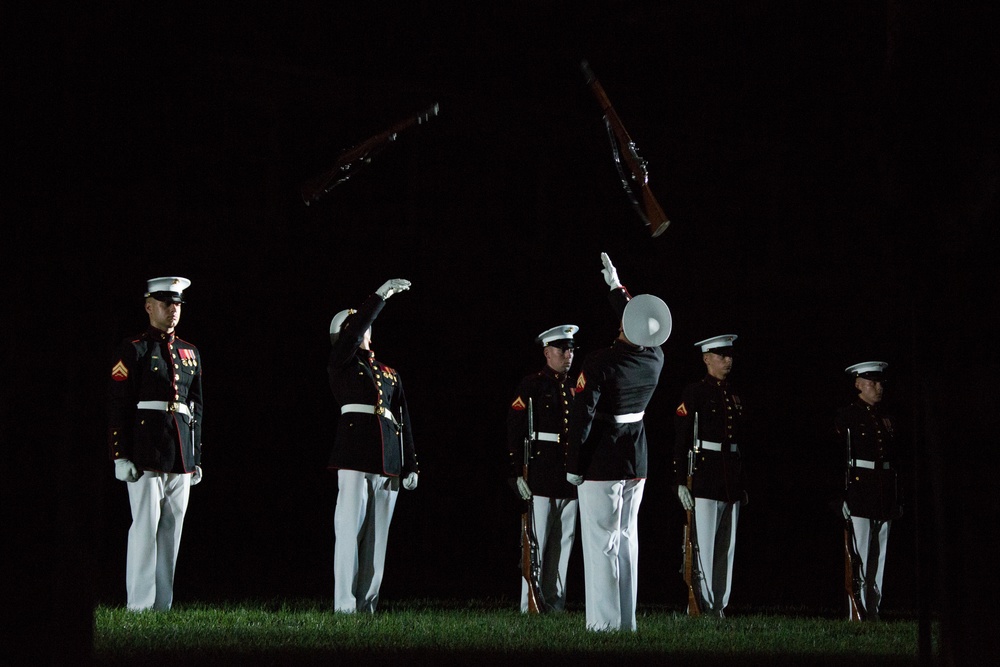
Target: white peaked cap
x=715 y=342
x=167 y=288
x=561 y=332
x=338 y=320
x=647 y=321
x=866 y=368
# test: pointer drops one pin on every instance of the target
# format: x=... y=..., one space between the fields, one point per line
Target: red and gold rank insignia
x=682 y=410
x=518 y=404
x=120 y=372
x=581 y=382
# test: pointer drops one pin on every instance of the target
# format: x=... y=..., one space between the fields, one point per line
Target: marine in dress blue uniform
x=869 y=435
x=154 y=439
x=607 y=452
x=718 y=482
x=373 y=452
x=553 y=499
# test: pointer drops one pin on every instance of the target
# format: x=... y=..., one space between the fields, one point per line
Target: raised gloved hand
x=196 y=475
x=846 y=510
x=410 y=481
x=687 y=500
x=575 y=480
x=522 y=488
x=610 y=272
x=393 y=286
x=126 y=471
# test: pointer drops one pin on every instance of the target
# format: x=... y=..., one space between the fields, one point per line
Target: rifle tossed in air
x=623 y=148
x=530 y=566
x=353 y=159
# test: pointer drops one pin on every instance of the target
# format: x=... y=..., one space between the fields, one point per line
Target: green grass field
x=483 y=633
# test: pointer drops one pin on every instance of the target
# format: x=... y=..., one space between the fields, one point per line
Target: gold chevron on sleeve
x=119 y=372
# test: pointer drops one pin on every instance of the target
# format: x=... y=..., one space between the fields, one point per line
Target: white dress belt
x=862 y=463
x=368 y=410
x=629 y=418
x=717 y=446
x=165 y=406
x=550 y=437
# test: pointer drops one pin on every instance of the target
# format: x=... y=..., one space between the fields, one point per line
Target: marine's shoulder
x=180 y=342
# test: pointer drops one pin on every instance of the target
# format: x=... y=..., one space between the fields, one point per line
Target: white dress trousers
x=872 y=552
x=609 y=528
x=159 y=501
x=555 y=529
x=365 y=503
x=715 y=531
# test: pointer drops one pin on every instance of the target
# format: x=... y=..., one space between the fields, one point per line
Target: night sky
x=830 y=169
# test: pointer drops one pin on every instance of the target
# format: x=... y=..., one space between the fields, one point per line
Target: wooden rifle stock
x=694 y=609
x=353 y=159
x=529 y=560
x=649 y=209
x=530 y=567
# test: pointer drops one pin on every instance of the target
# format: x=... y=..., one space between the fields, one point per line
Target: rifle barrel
x=529 y=541
x=314 y=189
x=649 y=210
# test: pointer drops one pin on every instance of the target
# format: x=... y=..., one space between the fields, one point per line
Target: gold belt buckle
x=380 y=410
x=171 y=407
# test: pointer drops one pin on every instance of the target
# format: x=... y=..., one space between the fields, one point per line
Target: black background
x=831 y=172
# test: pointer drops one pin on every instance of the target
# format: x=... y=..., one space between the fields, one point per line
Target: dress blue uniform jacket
x=551 y=397
x=873 y=492
x=156 y=366
x=616 y=380
x=370 y=443
x=718 y=474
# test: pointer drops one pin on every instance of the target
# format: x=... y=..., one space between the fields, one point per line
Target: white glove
x=522 y=488
x=687 y=500
x=847 y=511
x=410 y=482
x=196 y=475
x=575 y=480
x=126 y=471
x=392 y=286
x=610 y=273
